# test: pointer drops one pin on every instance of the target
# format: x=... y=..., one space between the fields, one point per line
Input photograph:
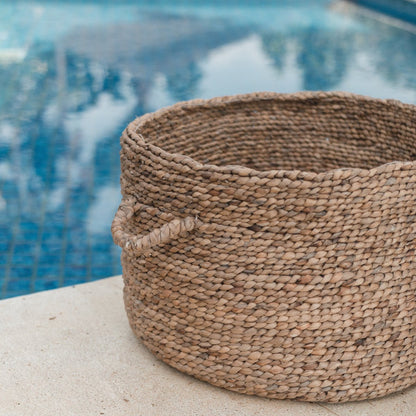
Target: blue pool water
x=73 y=74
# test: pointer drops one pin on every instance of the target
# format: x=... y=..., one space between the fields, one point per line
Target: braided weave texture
x=269 y=242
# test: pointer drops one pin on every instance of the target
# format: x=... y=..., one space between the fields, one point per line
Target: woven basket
x=269 y=242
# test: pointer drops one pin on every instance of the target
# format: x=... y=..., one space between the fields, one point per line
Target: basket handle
x=140 y=243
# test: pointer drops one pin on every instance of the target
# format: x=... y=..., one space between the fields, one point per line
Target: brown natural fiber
x=269 y=242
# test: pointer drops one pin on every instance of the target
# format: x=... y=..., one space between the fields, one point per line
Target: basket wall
x=294 y=275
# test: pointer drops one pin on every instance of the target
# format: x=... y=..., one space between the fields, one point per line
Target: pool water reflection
x=72 y=75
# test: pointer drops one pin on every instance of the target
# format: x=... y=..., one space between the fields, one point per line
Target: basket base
x=212 y=372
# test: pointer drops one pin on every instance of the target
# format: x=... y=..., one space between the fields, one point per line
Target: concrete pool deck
x=71 y=352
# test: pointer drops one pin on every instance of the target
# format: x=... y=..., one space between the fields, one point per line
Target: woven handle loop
x=140 y=243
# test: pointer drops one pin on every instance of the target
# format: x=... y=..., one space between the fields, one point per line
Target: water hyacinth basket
x=269 y=242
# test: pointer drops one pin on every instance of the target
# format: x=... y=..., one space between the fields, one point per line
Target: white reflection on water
x=158 y=95
x=101 y=211
x=5 y=171
x=86 y=130
x=89 y=127
x=7 y=132
x=244 y=66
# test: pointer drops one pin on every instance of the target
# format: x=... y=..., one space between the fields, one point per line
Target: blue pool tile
x=4 y=245
x=4 y=152
x=25 y=248
x=48 y=270
x=26 y=237
x=19 y=284
x=53 y=231
x=101 y=258
x=116 y=250
x=101 y=272
x=107 y=238
x=76 y=257
x=9 y=190
x=42 y=170
x=49 y=257
x=51 y=243
x=5 y=230
x=102 y=178
x=23 y=272
x=80 y=247
x=80 y=204
x=52 y=240
x=52 y=246
x=12 y=208
x=99 y=245
x=13 y=293
x=117 y=269
x=23 y=260
x=57 y=220
x=70 y=281
x=73 y=216
x=73 y=271
x=29 y=226
x=77 y=234
x=46 y=284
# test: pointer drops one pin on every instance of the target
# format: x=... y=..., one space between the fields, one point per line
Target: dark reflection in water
x=325 y=64
x=67 y=93
x=325 y=57
x=184 y=83
x=396 y=56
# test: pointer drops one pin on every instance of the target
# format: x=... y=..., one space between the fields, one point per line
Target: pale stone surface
x=398 y=404
x=71 y=352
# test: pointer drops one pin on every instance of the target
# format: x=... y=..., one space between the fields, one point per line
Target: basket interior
x=311 y=134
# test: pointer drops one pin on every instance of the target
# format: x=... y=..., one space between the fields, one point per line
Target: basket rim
x=236 y=172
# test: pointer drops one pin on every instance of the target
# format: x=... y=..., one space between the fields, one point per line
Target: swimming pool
x=73 y=74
